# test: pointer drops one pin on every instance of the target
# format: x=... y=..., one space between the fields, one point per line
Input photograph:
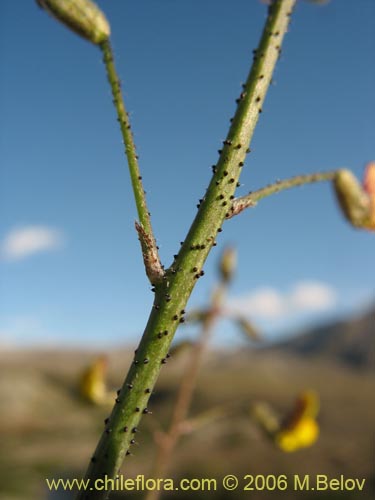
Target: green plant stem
x=130 y=149
x=168 y=441
x=251 y=199
x=172 y=294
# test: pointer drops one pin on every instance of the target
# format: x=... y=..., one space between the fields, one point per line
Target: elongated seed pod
x=81 y=16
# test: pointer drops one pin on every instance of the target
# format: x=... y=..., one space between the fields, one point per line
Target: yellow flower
x=300 y=429
x=92 y=383
x=304 y=434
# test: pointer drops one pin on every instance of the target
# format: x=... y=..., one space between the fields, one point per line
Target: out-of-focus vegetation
x=48 y=430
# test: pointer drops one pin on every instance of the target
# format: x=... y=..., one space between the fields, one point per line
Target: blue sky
x=71 y=270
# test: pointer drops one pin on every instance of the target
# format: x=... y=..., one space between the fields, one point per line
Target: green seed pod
x=228 y=264
x=81 y=16
x=353 y=200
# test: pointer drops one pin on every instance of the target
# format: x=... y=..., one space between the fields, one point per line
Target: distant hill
x=47 y=430
x=350 y=341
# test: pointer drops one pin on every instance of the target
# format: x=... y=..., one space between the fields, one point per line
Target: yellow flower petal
x=308 y=432
x=92 y=383
x=286 y=441
x=303 y=435
x=300 y=430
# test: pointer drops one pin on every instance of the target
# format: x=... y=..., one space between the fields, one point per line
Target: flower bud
x=81 y=16
x=353 y=200
x=228 y=264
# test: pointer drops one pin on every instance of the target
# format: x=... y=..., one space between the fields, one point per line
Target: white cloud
x=263 y=302
x=24 y=241
x=270 y=303
x=312 y=296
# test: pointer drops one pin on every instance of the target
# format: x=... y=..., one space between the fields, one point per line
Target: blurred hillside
x=351 y=342
x=47 y=430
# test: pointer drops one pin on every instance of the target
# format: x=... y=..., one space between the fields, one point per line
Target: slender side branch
x=251 y=199
x=172 y=294
x=130 y=150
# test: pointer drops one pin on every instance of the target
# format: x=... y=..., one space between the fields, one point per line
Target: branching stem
x=251 y=199
x=130 y=150
x=168 y=441
x=173 y=292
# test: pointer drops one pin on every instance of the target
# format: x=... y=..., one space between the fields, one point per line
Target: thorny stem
x=132 y=157
x=167 y=441
x=251 y=199
x=172 y=294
